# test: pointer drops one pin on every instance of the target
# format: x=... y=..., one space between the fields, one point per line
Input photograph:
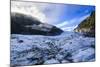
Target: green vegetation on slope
x=87 y=26
x=89 y=22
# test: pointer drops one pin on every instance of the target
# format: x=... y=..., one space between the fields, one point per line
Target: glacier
x=69 y=47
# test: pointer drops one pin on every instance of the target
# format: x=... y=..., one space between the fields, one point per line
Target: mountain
x=24 y=24
x=87 y=27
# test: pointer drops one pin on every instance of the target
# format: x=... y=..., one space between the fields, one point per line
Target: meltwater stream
x=37 y=49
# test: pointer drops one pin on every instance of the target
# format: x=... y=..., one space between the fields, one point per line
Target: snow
x=51 y=61
x=37 y=49
x=84 y=55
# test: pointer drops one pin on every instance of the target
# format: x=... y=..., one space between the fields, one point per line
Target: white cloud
x=45 y=12
x=71 y=28
x=62 y=24
x=71 y=24
x=53 y=12
x=27 y=8
x=48 y=13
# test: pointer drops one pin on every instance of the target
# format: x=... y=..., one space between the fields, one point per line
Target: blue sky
x=64 y=16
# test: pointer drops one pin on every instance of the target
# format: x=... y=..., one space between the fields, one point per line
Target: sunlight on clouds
x=27 y=8
x=62 y=24
x=71 y=28
x=54 y=12
x=66 y=17
x=44 y=12
x=71 y=24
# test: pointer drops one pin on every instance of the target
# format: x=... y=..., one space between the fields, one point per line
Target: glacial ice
x=37 y=49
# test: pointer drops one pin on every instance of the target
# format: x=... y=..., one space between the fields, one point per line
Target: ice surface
x=37 y=49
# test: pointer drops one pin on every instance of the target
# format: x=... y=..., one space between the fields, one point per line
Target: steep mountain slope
x=23 y=24
x=87 y=27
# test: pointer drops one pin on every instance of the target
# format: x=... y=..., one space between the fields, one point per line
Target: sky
x=64 y=16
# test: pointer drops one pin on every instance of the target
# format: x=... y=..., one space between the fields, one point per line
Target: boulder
x=27 y=25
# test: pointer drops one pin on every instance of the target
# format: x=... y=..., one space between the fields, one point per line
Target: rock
x=27 y=25
x=87 y=27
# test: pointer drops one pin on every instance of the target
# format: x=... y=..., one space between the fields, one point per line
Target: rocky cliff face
x=23 y=24
x=87 y=27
